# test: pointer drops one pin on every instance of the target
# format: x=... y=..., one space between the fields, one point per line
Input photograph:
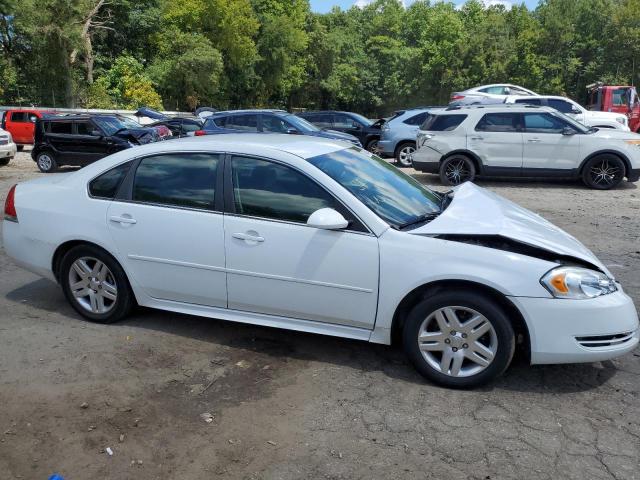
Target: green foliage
x=244 y=53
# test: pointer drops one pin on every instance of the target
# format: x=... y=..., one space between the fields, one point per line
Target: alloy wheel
x=93 y=285
x=457 y=171
x=45 y=162
x=457 y=341
x=604 y=173
x=405 y=155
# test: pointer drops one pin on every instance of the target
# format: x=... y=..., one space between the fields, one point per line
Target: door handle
x=477 y=138
x=533 y=140
x=123 y=220
x=249 y=237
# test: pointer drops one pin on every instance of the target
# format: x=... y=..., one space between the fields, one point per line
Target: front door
x=344 y=123
x=546 y=147
x=91 y=144
x=278 y=265
x=497 y=140
x=168 y=228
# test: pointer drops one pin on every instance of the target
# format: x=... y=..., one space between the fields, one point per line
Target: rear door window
x=499 y=122
x=180 y=180
x=61 y=128
x=442 y=123
x=417 y=119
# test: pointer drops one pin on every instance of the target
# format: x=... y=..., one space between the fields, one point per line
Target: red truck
x=21 y=124
x=617 y=99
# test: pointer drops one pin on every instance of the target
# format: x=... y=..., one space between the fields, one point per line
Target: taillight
x=10 y=206
x=200 y=133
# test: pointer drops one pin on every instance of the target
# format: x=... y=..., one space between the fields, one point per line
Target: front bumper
x=8 y=150
x=633 y=175
x=574 y=331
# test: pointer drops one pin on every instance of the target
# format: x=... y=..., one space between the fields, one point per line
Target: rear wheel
x=457 y=169
x=603 y=172
x=459 y=339
x=5 y=161
x=95 y=284
x=404 y=154
x=46 y=162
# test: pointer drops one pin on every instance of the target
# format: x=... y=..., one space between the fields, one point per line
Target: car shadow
x=286 y=344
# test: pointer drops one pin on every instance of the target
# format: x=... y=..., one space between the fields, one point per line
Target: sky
x=322 y=6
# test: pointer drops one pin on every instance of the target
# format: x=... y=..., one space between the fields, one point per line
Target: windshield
x=111 y=125
x=397 y=198
x=301 y=124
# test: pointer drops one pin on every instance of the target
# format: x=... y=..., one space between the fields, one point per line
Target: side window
x=106 y=185
x=442 y=123
x=180 y=180
x=560 y=105
x=61 y=127
x=529 y=101
x=543 y=123
x=247 y=123
x=275 y=124
x=270 y=190
x=494 y=90
x=498 y=122
x=344 y=121
x=417 y=119
x=19 y=117
x=620 y=97
x=84 y=128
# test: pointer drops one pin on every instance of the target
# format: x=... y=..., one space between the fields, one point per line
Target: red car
x=21 y=124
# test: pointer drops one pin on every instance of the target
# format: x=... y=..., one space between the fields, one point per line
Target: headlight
x=577 y=283
x=622 y=120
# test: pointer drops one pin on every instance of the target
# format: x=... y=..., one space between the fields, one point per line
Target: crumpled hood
x=476 y=211
x=139 y=135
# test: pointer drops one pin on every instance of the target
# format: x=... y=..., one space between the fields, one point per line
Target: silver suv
x=460 y=143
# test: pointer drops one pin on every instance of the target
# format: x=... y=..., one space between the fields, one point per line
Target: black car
x=83 y=139
x=365 y=130
x=268 y=121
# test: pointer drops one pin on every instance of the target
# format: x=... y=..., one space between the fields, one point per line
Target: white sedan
x=319 y=236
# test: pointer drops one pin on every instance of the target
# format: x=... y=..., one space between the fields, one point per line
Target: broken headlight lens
x=577 y=283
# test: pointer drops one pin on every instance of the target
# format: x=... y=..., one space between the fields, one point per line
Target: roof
x=249 y=110
x=303 y=146
x=497 y=106
x=81 y=116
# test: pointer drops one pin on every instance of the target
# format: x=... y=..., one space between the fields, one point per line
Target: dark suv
x=83 y=139
x=365 y=130
x=268 y=121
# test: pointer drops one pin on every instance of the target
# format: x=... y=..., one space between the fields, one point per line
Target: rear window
x=106 y=185
x=417 y=119
x=442 y=123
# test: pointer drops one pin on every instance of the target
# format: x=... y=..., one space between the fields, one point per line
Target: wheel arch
x=401 y=143
x=477 y=162
x=523 y=339
x=620 y=155
x=65 y=247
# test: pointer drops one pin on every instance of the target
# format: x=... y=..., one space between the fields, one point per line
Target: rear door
x=497 y=140
x=168 y=227
x=547 y=151
x=60 y=136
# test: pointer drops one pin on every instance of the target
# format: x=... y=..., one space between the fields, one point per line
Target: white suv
x=575 y=110
x=460 y=143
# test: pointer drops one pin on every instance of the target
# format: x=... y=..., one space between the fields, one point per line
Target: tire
x=372 y=145
x=102 y=296
x=20 y=147
x=457 y=169
x=46 y=162
x=603 y=172
x=404 y=152
x=473 y=362
x=5 y=161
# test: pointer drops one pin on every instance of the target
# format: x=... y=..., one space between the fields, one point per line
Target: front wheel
x=372 y=146
x=459 y=339
x=46 y=162
x=5 y=161
x=603 y=172
x=404 y=154
x=95 y=284
x=457 y=169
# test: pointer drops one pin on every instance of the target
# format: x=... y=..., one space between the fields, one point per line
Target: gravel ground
x=288 y=405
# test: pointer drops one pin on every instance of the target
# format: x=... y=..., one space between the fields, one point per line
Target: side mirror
x=575 y=111
x=327 y=219
x=292 y=131
x=96 y=133
x=568 y=131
